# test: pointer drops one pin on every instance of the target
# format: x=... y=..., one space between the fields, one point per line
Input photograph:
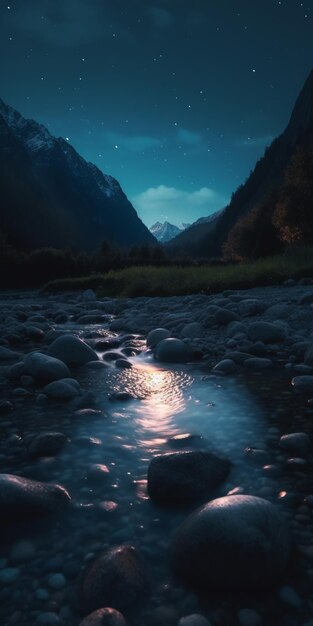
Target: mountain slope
x=263 y=183
x=166 y=231
x=189 y=239
x=51 y=196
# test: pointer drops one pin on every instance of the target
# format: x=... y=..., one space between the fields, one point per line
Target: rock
x=9 y=575
x=98 y=473
x=192 y=330
x=257 y=455
x=302 y=384
x=266 y=332
x=22 y=497
x=57 y=581
x=6 y=407
x=223 y=317
x=182 y=477
x=296 y=443
x=49 y=619
x=226 y=366
x=184 y=440
x=235 y=542
x=307 y=298
x=60 y=390
x=88 y=296
x=72 y=350
x=289 y=596
x=248 y=617
x=165 y=615
x=251 y=306
x=308 y=355
x=156 y=335
x=235 y=328
x=258 y=363
x=46 y=444
x=8 y=355
x=116 y=579
x=123 y=364
x=194 y=620
x=43 y=368
x=104 y=617
x=173 y=351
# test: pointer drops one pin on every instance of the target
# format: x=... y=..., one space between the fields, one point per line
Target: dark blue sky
x=175 y=98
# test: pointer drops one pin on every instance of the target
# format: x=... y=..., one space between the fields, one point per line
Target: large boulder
x=235 y=542
x=266 y=332
x=72 y=350
x=156 y=335
x=46 y=444
x=62 y=389
x=183 y=477
x=173 y=350
x=44 y=368
x=22 y=497
x=104 y=617
x=116 y=579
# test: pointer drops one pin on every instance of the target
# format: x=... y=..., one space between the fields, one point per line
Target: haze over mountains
x=51 y=196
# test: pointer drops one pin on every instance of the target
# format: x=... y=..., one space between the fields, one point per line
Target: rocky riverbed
x=156 y=459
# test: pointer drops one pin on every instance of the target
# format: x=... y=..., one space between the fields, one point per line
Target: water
x=224 y=416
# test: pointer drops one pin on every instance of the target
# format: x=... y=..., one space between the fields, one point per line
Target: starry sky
x=175 y=98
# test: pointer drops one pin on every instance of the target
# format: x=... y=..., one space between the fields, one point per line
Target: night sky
x=175 y=98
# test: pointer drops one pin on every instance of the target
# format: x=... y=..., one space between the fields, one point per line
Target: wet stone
x=182 y=477
x=104 y=617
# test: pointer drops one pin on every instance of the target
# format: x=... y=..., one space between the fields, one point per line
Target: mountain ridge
x=70 y=202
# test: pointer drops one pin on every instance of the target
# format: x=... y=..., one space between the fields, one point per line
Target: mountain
x=51 y=196
x=166 y=231
x=255 y=214
x=190 y=239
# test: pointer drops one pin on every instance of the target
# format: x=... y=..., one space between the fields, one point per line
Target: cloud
x=257 y=142
x=188 y=137
x=176 y=205
x=135 y=143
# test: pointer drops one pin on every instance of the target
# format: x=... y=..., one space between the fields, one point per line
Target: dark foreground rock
x=72 y=350
x=116 y=579
x=104 y=617
x=236 y=542
x=22 y=498
x=182 y=477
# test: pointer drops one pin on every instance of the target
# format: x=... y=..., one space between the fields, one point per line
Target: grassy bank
x=175 y=280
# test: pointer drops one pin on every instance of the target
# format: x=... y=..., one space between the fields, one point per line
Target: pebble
x=57 y=581
x=9 y=575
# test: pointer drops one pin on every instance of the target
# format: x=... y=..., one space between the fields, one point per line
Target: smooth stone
x=257 y=455
x=184 y=440
x=9 y=575
x=192 y=330
x=6 y=407
x=173 y=350
x=258 y=363
x=8 y=355
x=116 y=579
x=235 y=328
x=226 y=366
x=98 y=473
x=302 y=384
x=60 y=390
x=88 y=295
x=44 y=368
x=46 y=444
x=156 y=335
x=72 y=350
x=235 y=542
x=298 y=443
x=308 y=355
x=22 y=497
x=182 y=477
x=251 y=306
x=104 y=617
x=123 y=364
x=289 y=596
x=223 y=317
x=194 y=620
x=57 y=581
x=266 y=332
x=248 y=617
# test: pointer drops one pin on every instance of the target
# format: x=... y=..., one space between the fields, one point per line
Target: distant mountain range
x=274 y=206
x=165 y=231
x=51 y=196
